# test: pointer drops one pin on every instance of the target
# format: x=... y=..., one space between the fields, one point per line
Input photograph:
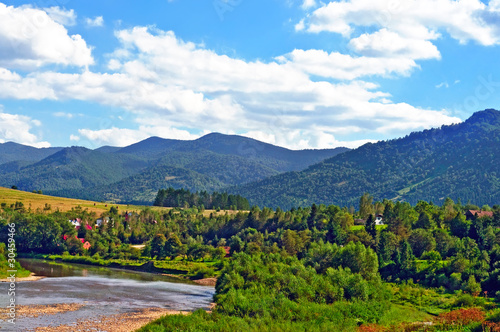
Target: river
x=104 y=291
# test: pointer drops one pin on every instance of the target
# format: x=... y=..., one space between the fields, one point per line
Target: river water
x=104 y=291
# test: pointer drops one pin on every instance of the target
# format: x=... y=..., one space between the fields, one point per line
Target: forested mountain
x=11 y=151
x=136 y=173
x=273 y=157
x=74 y=168
x=142 y=188
x=460 y=161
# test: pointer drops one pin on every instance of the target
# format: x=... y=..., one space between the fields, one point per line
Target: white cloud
x=388 y=44
x=345 y=67
x=97 y=21
x=300 y=26
x=74 y=138
x=61 y=16
x=63 y=115
x=306 y=4
x=494 y=5
x=30 y=38
x=123 y=137
x=17 y=128
x=463 y=19
x=406 y=29
x=173 y=88
x=442 y=85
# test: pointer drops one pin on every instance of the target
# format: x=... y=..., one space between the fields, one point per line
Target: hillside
x=136 y=172
x=142 y=188
x=460 y=161
x=74 y=168
x=267 y=155
x=38 y=201
x=11 y=151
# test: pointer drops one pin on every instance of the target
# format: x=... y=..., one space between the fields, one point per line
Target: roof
x=480 y=214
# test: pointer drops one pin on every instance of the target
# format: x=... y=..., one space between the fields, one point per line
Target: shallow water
x=104 y=291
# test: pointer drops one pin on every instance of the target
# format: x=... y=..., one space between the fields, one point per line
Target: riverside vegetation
x=306 y=269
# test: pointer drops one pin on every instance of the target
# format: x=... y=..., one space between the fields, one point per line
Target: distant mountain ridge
x=134 y=173
x=11 y=151
x=460 y=161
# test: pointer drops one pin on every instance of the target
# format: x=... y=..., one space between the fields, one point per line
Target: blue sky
x=295 y=73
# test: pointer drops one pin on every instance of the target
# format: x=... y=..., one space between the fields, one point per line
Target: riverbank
x=31 y=277
x=115 y=323
x=124 y=322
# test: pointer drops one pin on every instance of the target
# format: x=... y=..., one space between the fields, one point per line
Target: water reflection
x=104 y=291
x=56 y=269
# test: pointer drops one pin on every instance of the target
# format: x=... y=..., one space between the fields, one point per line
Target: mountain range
x=133 y=174
x=460 y=161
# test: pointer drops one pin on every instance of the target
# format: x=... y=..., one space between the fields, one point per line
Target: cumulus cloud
x=17 y=128
x=61 y=15
x=123 y=137
x=174 y=88
x=406 y=29
x=306 y=4
x=388 y=44
x=345 y=67
x=31 y=38
x=463 y=19
x=97 y=21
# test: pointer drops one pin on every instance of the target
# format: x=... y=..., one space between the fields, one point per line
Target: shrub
x=462 y=317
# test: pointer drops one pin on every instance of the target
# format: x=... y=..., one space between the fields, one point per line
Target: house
x=359 y=222
x=228 y=251
x=379 y=219
x=86 y=244
x=474 y=214
x=99 y=222
x=76 y=223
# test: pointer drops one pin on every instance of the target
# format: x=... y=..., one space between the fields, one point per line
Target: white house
x=379 y=219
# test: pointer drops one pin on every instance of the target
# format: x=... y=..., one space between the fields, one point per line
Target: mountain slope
x=11 y=151
x=142 y=188
x=73 y=167
x=460 y=161
x=208 y=163
x=273 y=157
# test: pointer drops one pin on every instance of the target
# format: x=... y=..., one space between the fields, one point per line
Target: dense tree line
x=184 y=198
x=312 y=257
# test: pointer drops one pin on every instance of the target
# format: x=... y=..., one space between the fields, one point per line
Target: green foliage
x=184 y=198
x=5 y=265
x=458 y=161
x=135 y=173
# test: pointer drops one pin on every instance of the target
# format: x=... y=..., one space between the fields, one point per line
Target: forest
x=459 y=161
x=184 y=198
x=306 y=269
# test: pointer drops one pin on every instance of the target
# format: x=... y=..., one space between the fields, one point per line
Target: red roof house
x=474 y=214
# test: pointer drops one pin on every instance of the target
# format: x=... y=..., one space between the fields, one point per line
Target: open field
x=38 y=201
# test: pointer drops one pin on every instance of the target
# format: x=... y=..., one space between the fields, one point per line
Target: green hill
x=135 y=173
x=73 y=168
x=11 y=151
x=460 y=161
